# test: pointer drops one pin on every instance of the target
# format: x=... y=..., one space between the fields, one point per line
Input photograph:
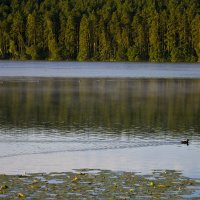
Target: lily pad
x=100 y=184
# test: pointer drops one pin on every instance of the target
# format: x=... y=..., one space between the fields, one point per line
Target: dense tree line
x=100 y=30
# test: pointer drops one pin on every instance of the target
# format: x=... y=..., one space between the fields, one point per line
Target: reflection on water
x=43 y=115
x=115 y=104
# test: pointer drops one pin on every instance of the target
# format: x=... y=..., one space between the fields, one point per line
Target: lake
x=60 y=116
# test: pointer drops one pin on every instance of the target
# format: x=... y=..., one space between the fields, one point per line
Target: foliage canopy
x=100 y=30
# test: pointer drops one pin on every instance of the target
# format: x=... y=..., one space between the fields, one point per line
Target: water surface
x=130 y=124
x=99 y=69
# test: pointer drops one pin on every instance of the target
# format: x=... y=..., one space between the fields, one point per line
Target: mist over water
x=98 y=69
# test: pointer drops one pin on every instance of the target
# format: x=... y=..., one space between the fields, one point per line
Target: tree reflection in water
x=147 y=105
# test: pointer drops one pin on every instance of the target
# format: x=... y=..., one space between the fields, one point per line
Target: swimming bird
x=185 y=142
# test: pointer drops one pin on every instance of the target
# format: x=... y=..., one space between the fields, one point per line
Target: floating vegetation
x=99 y=184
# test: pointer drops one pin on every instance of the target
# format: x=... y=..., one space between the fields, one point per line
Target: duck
x=185 y=142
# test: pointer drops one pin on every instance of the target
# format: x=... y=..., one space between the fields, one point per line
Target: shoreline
x=95 y=184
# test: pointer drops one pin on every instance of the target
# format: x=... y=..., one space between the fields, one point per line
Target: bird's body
x=185 y=141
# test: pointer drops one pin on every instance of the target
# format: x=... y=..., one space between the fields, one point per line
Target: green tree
x=196 y=36
x=172 y=37
x=93 y=28
x=138 y=36
x=71 y=39
x=84 y=39
x=104 y=43
x=31 y=35
x=154 y=39
x=115 y=34
x=4 y=40
x=17 y=36
x=52 y=41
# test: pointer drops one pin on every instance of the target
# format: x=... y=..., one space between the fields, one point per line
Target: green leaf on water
x=152 y=184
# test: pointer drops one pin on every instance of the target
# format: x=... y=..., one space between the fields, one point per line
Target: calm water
x=98 y=69
x=134 y=124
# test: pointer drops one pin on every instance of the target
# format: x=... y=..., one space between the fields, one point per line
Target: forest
x=100 y=30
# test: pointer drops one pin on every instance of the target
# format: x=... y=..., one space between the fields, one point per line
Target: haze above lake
x=99 y=69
